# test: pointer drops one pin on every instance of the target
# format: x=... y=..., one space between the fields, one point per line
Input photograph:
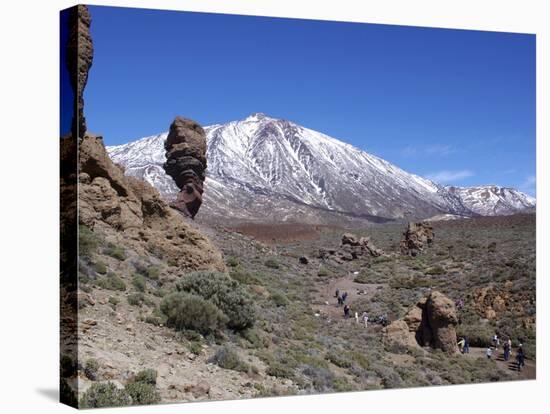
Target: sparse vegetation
x=111 y=282
x=227 y=358
x=101 y=395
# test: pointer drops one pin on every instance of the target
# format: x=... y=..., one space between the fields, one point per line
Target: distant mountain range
x=266 y=169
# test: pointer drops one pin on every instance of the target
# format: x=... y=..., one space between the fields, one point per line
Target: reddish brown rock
x=80 y=53
x=432 y=322
x=186 y=163
x=416 y=237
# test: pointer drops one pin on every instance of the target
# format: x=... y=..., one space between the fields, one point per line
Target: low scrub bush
x=111 y=282
x=142 y=393
x=225 y=293
x=189 y=311
x=272 y=263
x=227 y=358
x=115 y=251
x=106 y=394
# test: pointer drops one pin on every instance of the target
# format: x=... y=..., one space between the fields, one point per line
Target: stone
x=416 y=237
x=303 y=260
x=186 y=163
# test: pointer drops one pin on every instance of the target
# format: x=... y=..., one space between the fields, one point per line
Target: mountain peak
x=257 y=116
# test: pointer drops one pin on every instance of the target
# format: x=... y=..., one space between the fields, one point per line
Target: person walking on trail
x=337 y=294
x=489 y=352
x=496 y=341
x=520 y=357
x=466 y=346
x=344 y=296
x=346 y=311
x=461 y=345
x=356 y=317
x=506 y=348
x=340 y=300
x=365 y=319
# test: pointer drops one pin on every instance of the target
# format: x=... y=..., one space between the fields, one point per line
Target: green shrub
x=279 y=299
x=115 y=251
x=189 y=311
x=227 y=358
x=323 y=272
x=111 y=282
x=194 y=347
x=272 y=263
x=244 y=277
x=227 y=294
x=136 y=299
x=113 y=301
x=148 y=376
x=90 y=369
x=142 y=393
x=232 y=262
x=276 y=369
x=153 y=272
x=100 y=267
x=104 y=395
x=139 y=283
x=87 y=241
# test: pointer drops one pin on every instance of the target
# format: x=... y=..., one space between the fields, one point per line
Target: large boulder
x=432 y=322
x=442 y=319
x=416 y=237
x=186 y=163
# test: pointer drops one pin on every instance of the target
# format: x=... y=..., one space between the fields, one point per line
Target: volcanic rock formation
x=416 y=237
x=360 y=246
x=432 y=322
x=80 y=53
x=143 y=221
x=186 y=163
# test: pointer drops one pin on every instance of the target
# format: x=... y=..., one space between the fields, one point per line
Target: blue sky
x=453 y=105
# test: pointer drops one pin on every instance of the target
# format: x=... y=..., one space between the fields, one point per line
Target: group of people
x=507 y=351
x=347 y=310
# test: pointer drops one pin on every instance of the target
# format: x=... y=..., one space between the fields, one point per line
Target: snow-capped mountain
x=492 y=200
x=262 y=168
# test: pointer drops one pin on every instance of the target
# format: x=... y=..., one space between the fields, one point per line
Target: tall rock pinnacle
x=80 y=53
x=186 y=163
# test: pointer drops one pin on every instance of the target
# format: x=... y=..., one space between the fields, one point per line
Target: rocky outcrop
x=432 y=322
x=141 y=220
x=359 y=246
x=80 y=53
x=186 y=163
x=416 y=237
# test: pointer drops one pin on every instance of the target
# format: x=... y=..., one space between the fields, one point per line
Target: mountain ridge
x=261 y=164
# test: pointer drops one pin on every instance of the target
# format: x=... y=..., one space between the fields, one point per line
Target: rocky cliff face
x=113 y=203
x=80 y=53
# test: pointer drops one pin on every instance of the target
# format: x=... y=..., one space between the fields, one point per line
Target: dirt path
x=326 y=303
x=529 y=371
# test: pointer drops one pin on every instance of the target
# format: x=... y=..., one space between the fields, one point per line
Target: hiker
x=344 y=296
x=337 y=293
x=365 y=319
x=346 y=311
x=340 y=300
x=496 y=341
x=356 y=317
x=461 y=345
x=520 y=357
x=466 y=346
x=489 y=352
x=506 y=348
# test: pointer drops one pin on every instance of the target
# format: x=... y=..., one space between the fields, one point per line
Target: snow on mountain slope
x=492 y=200
x=264 y=168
